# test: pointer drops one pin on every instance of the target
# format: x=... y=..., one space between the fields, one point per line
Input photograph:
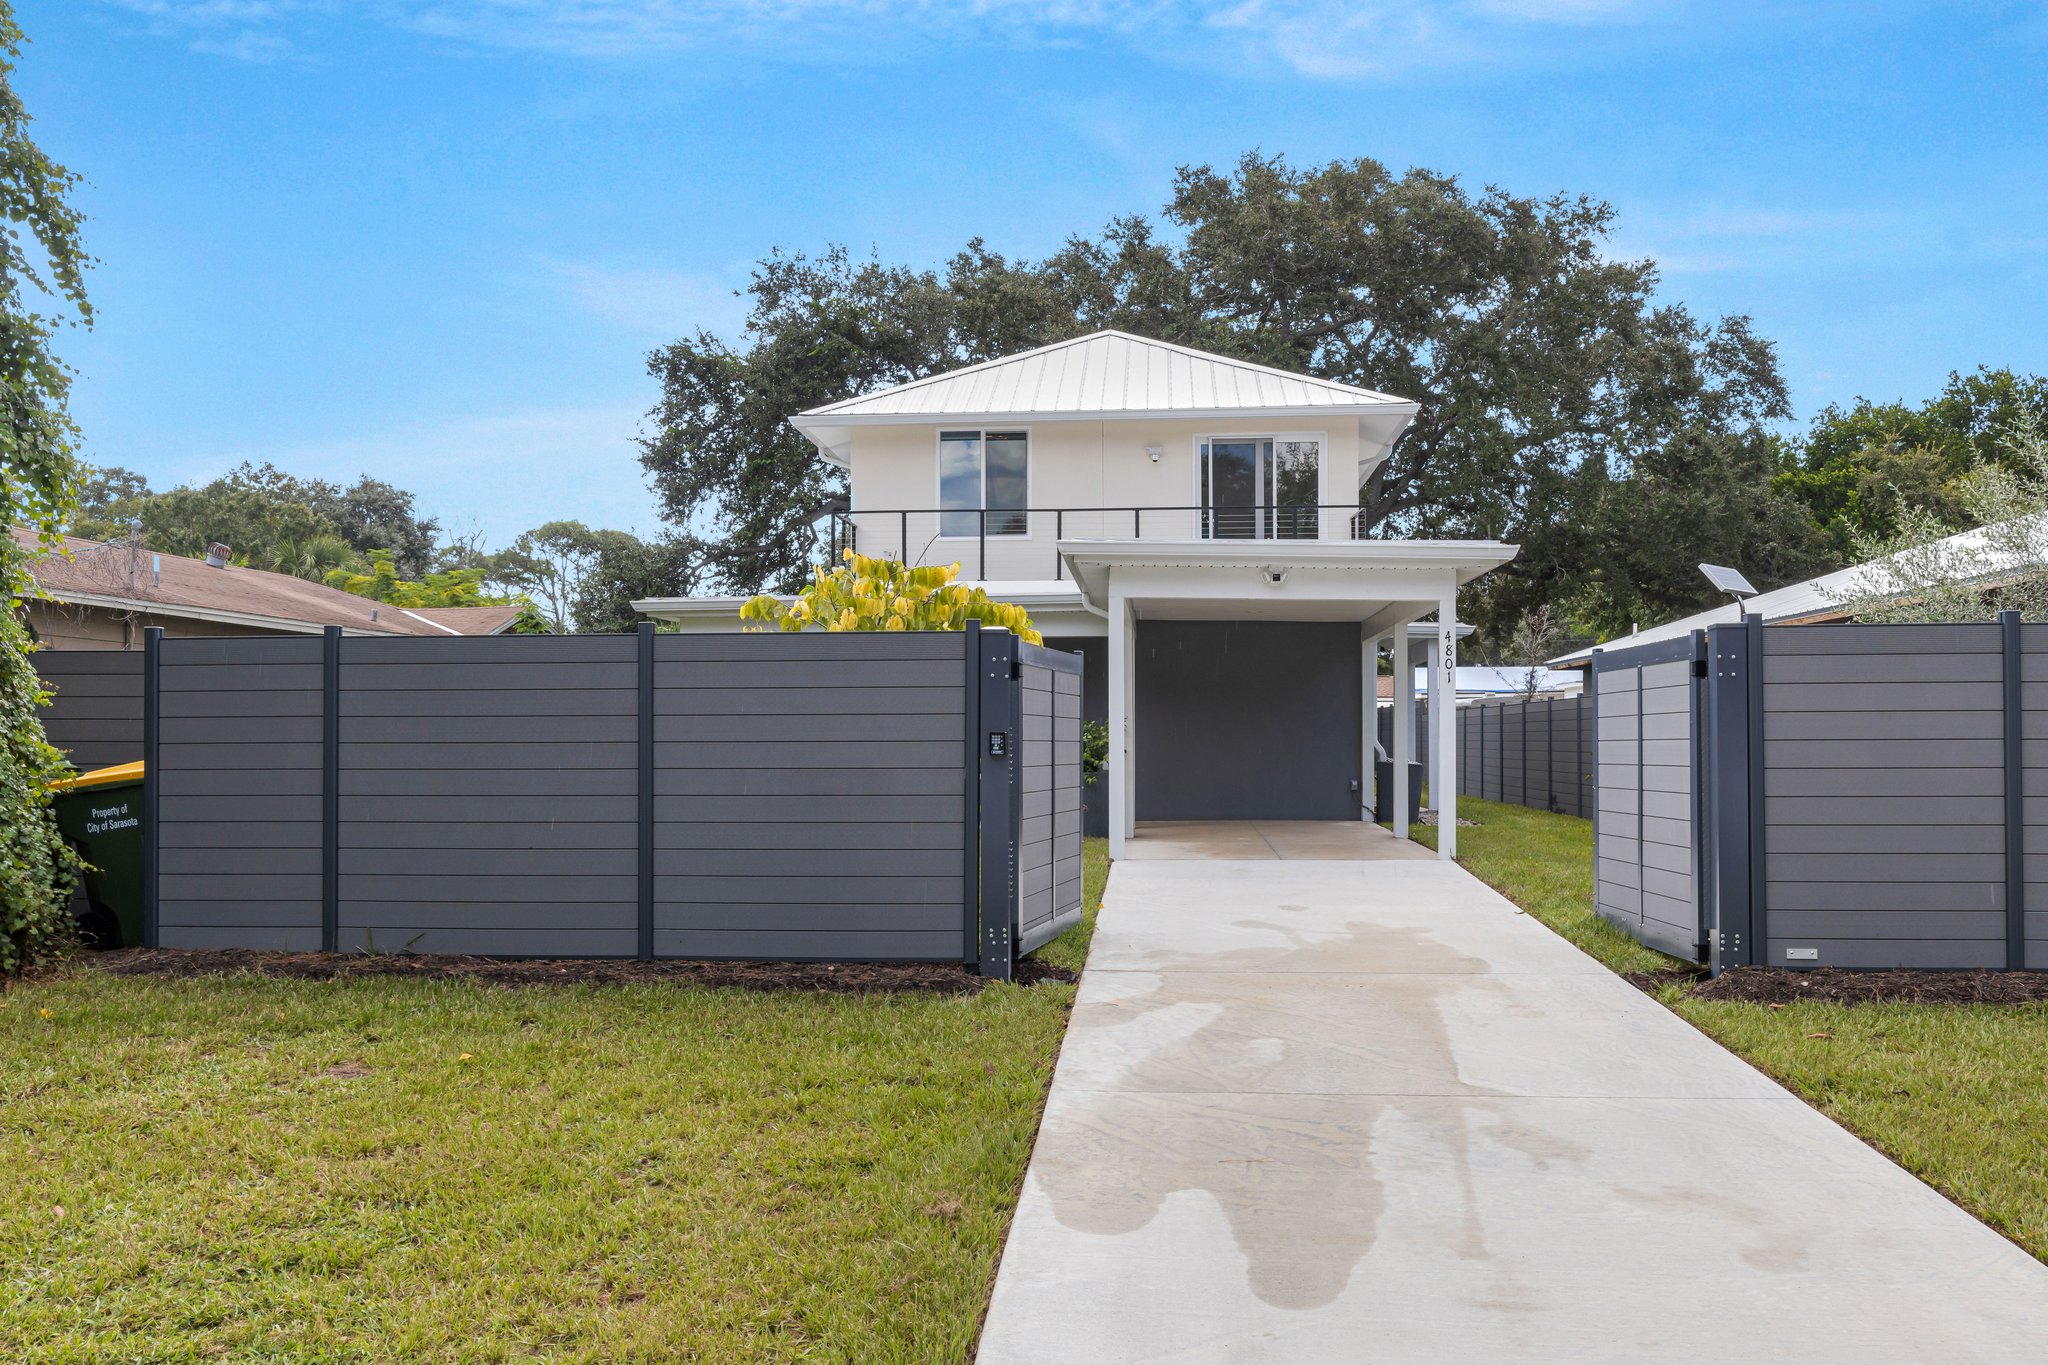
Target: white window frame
x=1321 y=438
x=939 y=480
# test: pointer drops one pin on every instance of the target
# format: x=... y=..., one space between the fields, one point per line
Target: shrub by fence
x=859 y=796
x=1849 y=796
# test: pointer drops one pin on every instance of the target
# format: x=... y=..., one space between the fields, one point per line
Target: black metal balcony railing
x=1024 y=536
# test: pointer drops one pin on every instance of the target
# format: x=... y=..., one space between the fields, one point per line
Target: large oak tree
x=1562 y=401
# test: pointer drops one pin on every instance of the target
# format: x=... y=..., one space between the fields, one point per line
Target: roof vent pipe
x=156 y=570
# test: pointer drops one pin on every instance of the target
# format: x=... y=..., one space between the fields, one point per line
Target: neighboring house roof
x=1108 y=375
x=469 y=620
x=1483 y=680
x=1813 y=600
x=1488 y=680
x=94 y=574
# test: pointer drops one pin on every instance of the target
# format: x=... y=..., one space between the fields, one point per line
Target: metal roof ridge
x=1253 y=367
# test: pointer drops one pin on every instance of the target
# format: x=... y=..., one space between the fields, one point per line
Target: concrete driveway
x=1365 y=1111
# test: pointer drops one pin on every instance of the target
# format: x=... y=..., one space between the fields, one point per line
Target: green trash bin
x=100 y=814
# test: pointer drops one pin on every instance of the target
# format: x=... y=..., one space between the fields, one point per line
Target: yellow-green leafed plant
x=884 y=594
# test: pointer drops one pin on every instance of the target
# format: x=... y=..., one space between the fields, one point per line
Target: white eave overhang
x=1091 y=563
x=1032 y=595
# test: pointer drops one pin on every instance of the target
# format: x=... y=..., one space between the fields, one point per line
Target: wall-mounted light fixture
x=1155 y=452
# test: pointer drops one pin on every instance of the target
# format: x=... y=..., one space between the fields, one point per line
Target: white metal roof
x=1108 y=372
x=1108 y=376
x=1822 y=596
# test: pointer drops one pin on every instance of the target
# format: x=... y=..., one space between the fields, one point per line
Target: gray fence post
x=970 y=831
x=330 y=789
x=1522 y=724
x=152 y=778
x=1593 y=765
x=1759 y=880
x=2015 y=798
x=1723 y=761
x=645 y=867
x=999 y=804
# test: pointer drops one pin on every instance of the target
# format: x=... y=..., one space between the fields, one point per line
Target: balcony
x=1023 y=545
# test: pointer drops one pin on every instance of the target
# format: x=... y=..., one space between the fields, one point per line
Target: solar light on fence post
x=1731 y=582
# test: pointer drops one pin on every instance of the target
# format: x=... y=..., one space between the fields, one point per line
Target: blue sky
x=433 y=240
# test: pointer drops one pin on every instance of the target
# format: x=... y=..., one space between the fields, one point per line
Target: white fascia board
x=284 y=625
x=821 y=430
x=1470 y=558
x=1386 y=570
x=1043 y=594
x=690 y=608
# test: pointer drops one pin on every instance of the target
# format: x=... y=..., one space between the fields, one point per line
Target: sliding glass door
x=1260 y=488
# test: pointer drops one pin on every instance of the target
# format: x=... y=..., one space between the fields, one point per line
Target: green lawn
x=243 y=1168
x=1955 y=1093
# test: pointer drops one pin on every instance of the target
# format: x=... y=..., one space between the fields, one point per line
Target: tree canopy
x=1560 y=399
x=1925 y=571
x=270 y=519
x=1863 y=472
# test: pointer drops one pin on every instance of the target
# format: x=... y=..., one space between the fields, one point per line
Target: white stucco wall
x=1074 y=465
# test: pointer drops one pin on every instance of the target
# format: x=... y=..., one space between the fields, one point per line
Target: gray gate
x=1645 y=848
x=1846 y=796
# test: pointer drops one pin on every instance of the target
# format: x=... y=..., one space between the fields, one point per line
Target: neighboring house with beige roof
x=99 y=595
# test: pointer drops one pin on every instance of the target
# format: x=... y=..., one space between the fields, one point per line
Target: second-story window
x=984 y=476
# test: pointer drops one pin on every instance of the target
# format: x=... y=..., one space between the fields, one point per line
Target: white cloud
x=1334 y=39
x=240 y=30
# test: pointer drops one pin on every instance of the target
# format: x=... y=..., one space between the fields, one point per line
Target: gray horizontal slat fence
x=507 y=876
x=864 y=804
x=1537 y=754
x=799 y=796
x=1846 y=717
x=2031 y=827
x=238 y=827
x=1049 y=843
x=95 y=709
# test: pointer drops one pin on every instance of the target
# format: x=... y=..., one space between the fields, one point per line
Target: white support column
x=1369 y=720
x=1425 y=740
x=1404 y=727
x=1121 y=789
x=1443 y=771
x=1130 y=620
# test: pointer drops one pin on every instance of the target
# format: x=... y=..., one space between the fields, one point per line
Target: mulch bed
x=1776 y=986
x=843 y=978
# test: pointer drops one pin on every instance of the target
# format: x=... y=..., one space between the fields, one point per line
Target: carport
x=1249 y=669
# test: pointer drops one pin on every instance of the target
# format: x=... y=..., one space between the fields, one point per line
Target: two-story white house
x=1189 y=523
